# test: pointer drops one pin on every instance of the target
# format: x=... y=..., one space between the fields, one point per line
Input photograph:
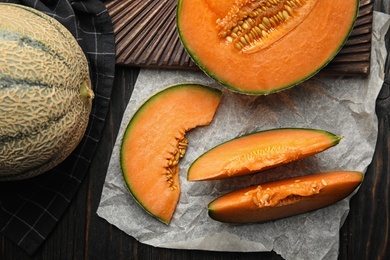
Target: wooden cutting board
x=146 y=36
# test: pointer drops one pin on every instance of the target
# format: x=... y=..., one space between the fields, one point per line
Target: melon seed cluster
x=249 y=23
x=285 y=194
x=173 y=161
x=265 y=155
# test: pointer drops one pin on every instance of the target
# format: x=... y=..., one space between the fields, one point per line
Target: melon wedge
x=284 y=198
x=259 y=151
x=154 y=141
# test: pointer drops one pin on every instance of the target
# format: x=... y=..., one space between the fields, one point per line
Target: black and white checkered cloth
x=30 y=209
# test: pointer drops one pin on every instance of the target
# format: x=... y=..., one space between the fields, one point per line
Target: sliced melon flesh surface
x=154 y=141
x=261 y=47
x=284 y=198
x=259 y=151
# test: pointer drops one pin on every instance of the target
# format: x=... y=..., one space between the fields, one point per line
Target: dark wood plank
x=365 y=234
x=114 y=243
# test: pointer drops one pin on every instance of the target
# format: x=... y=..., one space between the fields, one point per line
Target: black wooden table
x=81 y=234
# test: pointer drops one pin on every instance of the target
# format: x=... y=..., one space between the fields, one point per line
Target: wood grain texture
x=370 y=211
x=146 y=36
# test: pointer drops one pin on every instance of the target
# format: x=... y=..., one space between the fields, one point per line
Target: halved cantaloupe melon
x=154 y=141
x=261 y=47
x=259 y=151
x=284 y=198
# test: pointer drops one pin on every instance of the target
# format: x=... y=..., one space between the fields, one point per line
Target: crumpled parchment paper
x=342 y=106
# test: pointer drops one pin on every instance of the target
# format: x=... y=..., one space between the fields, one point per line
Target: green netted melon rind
x=45 y=95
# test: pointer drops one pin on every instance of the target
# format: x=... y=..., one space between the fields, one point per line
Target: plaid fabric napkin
x=30 y=209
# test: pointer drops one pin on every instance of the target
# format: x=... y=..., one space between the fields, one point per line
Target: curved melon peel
x=154 y=141
x=259 y=151
x=284 y=198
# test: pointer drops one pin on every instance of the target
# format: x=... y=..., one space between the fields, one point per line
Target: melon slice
x=284 y=198
x=154 y=141
x=259 y=151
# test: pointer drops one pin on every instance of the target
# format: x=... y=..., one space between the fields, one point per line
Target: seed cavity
x=252 y=25
x=284 y=194
x=172 y=162
x=255 y=160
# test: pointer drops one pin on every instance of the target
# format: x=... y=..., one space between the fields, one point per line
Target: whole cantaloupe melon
x=45 y=92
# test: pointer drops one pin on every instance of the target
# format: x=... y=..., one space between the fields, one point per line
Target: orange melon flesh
x=150 y=145
x=284 y=198
x=292 y=54
x=259 y=151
